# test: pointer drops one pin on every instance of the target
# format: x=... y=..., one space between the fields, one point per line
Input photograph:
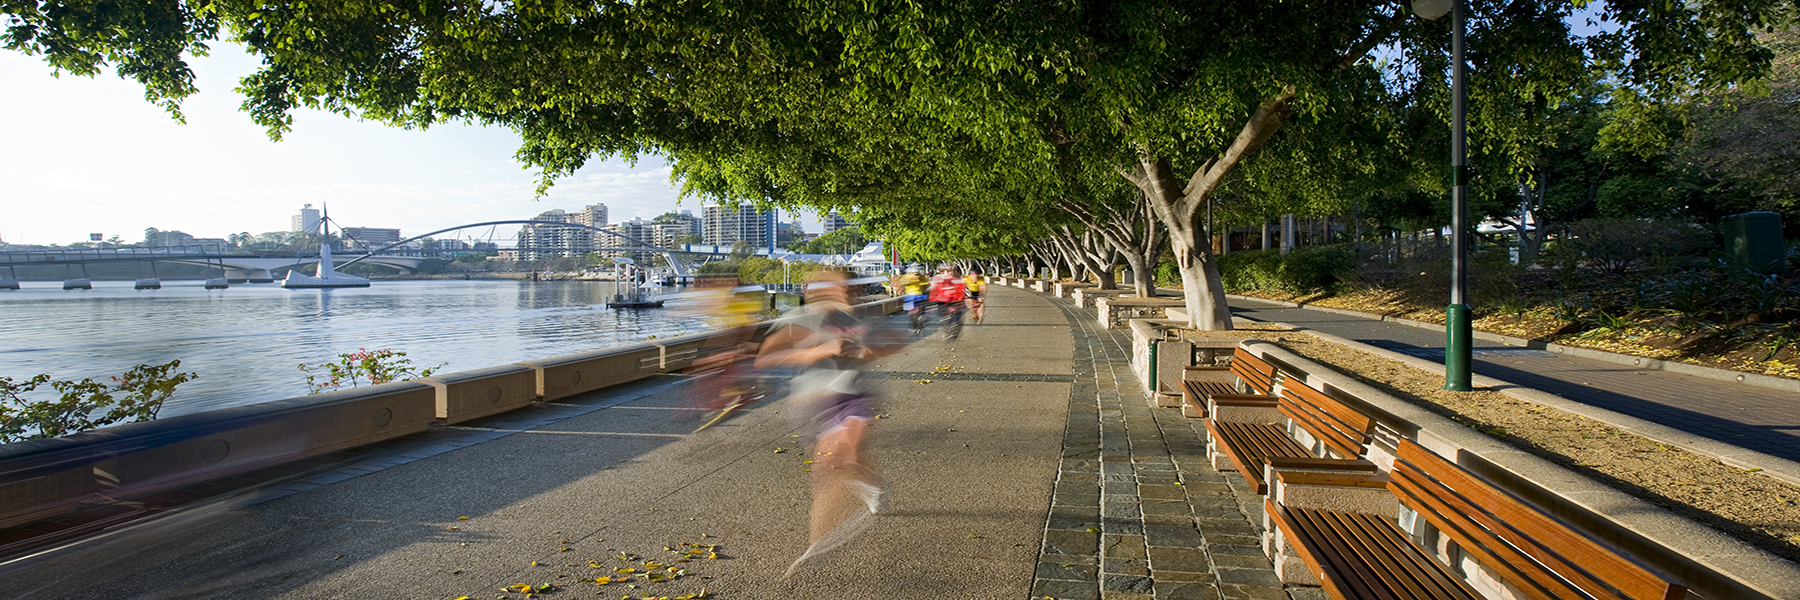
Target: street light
x=1457 y=328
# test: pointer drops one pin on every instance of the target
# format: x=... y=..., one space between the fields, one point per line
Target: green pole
x=1457 y=328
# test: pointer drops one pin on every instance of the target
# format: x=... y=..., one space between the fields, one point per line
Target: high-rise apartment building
x=305 y=222
x=592 y=215
x=834 y=221
x=725 y=225
x=546 y=241
x=614 y=246
x=674 y=228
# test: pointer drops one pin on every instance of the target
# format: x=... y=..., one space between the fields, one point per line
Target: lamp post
x=1457 y=327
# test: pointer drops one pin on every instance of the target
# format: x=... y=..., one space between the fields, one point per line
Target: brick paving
x=1138 y=512
x=1759 y=419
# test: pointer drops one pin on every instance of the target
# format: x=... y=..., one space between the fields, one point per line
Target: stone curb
x=1773 y=466
x=1647 y=364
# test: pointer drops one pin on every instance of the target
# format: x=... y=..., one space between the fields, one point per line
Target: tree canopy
x=959 y=126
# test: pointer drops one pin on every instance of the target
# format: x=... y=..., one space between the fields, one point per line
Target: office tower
x=834 y=221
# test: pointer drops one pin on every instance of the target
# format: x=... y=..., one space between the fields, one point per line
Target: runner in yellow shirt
x=975 y=286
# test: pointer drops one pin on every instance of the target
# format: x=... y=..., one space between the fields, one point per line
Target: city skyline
x=102 y=160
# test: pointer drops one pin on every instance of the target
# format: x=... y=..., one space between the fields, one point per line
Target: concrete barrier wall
x=41 y=478
x=473 y=394
x=44 y=478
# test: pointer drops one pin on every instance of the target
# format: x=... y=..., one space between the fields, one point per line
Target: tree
x=842 y=241
x=838 y=104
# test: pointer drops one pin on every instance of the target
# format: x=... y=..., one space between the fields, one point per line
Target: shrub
x=141 y=393
x=362 y=366
x=1618 y=246
x=1309 y=270
x=1421 y=274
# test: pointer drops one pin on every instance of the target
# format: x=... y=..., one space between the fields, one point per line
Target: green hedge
x=1309 y=270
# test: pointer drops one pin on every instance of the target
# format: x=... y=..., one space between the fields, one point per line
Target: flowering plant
x=135 y=396
x=352 y=369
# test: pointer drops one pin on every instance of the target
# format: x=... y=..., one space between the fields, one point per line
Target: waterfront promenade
x=1022 y=463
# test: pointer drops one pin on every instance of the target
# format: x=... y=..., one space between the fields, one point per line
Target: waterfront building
x=367 y=238
x=614 y=246
x=678 y=228
x=539 y=242
x=592 y=215
x=305 y=222
x=726 y=225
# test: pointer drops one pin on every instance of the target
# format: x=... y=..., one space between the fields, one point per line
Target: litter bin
x=1753 y=240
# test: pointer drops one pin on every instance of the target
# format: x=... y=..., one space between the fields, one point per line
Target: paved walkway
x=1758 y=419
x=1022 y=464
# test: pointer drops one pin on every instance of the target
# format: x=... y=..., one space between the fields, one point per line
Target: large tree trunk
x=1180 y=208
x=1143 y=275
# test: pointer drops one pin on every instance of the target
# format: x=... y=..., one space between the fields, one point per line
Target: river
x=246 y=342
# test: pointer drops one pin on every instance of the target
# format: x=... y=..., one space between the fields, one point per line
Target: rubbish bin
x=1753 y=240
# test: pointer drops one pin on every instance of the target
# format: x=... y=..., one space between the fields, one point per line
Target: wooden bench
x=1363 y=556
x=1339 y=435
x=1249 y=379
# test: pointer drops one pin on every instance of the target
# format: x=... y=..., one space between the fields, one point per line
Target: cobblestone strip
x=1139 y=513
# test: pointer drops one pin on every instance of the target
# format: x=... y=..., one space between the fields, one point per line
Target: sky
x=88 y=156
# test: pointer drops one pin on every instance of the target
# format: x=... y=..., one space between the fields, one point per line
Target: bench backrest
x=1536 y=553
x=1257 y=374
x=1344 y=430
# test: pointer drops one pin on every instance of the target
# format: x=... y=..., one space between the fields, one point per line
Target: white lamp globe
x=1430 y=10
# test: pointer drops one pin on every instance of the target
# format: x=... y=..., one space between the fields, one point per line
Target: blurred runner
x=947 y=294
x=975 y=286
x=912 y=287
x=722 y=371
x=831 y=345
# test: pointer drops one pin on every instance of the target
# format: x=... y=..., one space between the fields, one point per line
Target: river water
x=246 y=342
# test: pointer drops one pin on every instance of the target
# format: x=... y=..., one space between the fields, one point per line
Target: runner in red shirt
x=947 y=293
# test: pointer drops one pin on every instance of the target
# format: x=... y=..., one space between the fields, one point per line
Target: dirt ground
x=1760 y=510
x=1744 y=348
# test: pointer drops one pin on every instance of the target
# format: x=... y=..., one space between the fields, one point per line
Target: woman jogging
x=831 y=345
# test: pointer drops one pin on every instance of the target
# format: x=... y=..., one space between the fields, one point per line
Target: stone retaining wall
x=1066 y=289
x=1114 y=311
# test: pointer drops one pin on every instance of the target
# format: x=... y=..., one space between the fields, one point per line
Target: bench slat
x=1257 y=374
x=1345 y=430
x=1249 y=445
x=1365 y=557
x=1507 y=530
x=1425 y=577
x=1358 y=576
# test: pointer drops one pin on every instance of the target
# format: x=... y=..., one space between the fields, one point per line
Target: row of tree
x=1092 y=131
